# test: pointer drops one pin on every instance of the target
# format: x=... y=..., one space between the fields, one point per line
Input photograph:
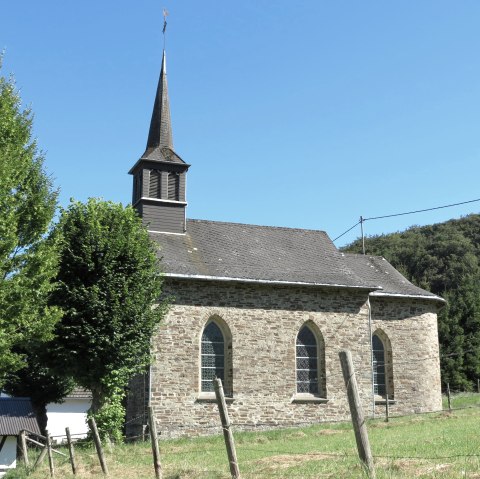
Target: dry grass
x=442 y=446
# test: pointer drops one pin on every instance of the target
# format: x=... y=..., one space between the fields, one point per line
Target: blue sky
x=304 y=114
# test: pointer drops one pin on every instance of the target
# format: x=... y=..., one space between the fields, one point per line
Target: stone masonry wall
x=411 y=326
x=264 y=322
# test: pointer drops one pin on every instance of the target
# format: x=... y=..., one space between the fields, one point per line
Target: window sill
x=308 y=398
x=381 y=401
x=210 y=397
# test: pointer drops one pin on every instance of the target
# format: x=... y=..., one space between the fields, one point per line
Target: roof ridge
x=361 y=255
x=285 y=228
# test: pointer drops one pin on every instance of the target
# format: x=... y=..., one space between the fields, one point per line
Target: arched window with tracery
x=379 y=382
x=382 y=365
x=216 y=356
x=307 y=362
x=213 y=356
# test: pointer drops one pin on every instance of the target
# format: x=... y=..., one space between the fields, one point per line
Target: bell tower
x=159 y=176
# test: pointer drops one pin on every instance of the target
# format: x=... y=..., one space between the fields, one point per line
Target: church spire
x=160 y=134
x=159 y=176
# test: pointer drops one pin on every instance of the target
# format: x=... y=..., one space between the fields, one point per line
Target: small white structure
x=16 y=414
x=71 y=413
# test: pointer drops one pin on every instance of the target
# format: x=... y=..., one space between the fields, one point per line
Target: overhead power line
x=362 y=220
x=421 y=211
x=349 y=229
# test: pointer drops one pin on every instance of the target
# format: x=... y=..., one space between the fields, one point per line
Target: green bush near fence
x=437 y=445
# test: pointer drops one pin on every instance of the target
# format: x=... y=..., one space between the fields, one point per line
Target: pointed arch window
x=307 y=362
x=379 y=373
x=213 y=356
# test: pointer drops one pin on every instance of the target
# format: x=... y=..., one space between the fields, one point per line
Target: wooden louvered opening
x=137 y=186
x=155 y=184
x=174 y=186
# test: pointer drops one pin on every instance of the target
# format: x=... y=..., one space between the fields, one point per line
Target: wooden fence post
x=154 y=438
x=23 y=443
x=70 y=450
x=227 y=432
x=98 y=444
x=41 y=457
x=449 y=398
x=359 y=426
x=50 y=455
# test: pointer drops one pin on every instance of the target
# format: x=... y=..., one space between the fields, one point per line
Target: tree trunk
x=40 y=410
x=97 y=400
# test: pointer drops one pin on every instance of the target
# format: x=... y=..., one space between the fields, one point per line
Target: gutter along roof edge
x=412 y=296
x=267 y=281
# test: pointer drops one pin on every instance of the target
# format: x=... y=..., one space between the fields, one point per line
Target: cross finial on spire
x=165 y=15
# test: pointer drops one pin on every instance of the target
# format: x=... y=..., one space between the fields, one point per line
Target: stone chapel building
x=267 y=309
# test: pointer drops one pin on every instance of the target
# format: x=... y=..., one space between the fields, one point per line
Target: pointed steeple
x=160 y=134
x=159 y=175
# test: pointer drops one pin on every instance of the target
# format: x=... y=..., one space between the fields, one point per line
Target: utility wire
x=421 y=211
x=406 y=213
x=349 y=229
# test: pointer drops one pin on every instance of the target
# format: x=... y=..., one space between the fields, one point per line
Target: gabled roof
x=240 y=252
x=378 y=269
x=214 y=250
x=16 y=414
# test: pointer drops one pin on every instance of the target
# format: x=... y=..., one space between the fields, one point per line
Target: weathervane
x=165 y=15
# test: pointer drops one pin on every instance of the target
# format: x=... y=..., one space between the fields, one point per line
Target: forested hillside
x=445 y=259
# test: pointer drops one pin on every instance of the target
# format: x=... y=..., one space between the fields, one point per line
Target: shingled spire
x=160 y=134
x=159 y=175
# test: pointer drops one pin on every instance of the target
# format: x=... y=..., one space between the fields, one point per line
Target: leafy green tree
x=109 y=283
x=27 y=261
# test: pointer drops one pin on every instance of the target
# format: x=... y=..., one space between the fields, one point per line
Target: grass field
x=440 y=445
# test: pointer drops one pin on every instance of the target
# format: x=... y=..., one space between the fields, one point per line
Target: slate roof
x=17 y=414
x=160 y=137
x=163 y=154
x=213 y=249
x=160 y=133
x=267 y=254
x=378 y=269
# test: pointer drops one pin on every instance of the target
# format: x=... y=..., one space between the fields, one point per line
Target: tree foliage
x=445 y=259
x=27 y=261
x=108 y=281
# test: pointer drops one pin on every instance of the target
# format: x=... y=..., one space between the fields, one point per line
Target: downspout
x=185 y=199
x=149 y=398
x=149 y=401
x=369 y=306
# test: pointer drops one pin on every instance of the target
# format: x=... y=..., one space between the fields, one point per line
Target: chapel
x=267 y=310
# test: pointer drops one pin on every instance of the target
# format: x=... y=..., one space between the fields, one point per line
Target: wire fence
x=271 y=459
